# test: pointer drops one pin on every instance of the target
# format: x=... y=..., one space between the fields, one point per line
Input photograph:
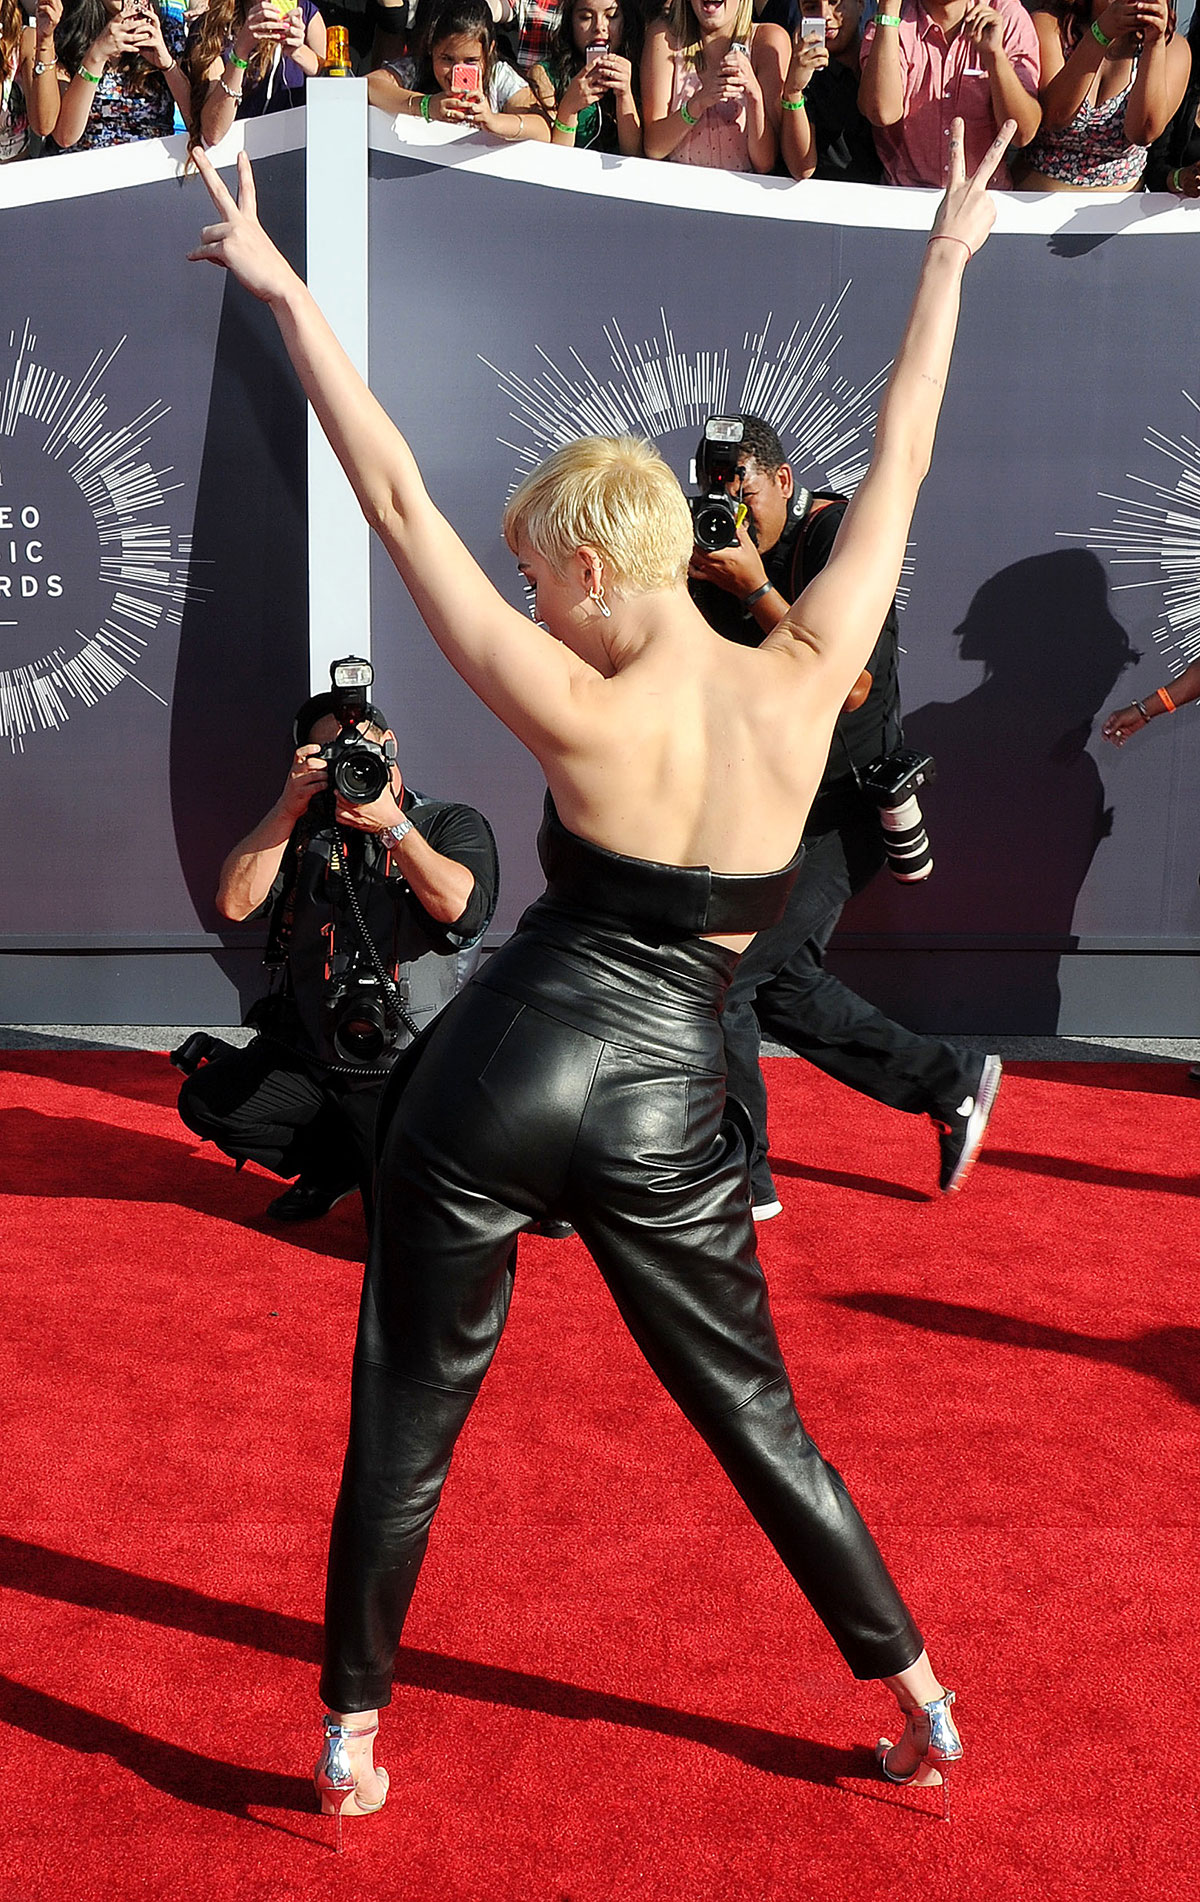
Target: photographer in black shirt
x=375 y=905
x=781 y=988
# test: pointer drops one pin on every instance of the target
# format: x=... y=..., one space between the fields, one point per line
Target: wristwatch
x=41 y=66
x=396 y=835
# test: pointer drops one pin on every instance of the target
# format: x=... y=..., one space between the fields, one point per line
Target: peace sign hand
x=239 y=242
x=967 y=212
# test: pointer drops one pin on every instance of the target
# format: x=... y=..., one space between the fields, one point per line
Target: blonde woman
x=712 y=82
x=581 y=1075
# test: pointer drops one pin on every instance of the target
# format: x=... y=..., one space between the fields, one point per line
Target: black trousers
x=262 y=1105
x=586 y=1083
x=782 y=990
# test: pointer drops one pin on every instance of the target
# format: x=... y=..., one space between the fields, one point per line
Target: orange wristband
x=1168 y=703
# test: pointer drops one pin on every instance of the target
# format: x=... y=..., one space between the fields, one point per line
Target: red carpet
x=610 y=1689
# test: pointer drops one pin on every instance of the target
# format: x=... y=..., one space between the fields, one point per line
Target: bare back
x=695 y=752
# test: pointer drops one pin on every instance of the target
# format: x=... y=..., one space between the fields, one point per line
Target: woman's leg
x=659 y=1197
x=477 y=1150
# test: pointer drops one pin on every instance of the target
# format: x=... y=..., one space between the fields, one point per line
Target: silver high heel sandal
x=932 y=1733
x=334 y=1779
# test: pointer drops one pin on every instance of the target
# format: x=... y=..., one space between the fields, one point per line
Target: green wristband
x=241 y=64
x=425 y=99
x=793 y=105
x=686 y=116
x=93 y=79
x=887 y=19
x=1100 y=36
x=560 y=127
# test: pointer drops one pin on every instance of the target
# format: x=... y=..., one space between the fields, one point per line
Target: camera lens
x=360 y=777
x=360 y=1034
x=906 y=842
x=714 y=524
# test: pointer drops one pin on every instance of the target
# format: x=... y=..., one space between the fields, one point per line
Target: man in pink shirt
x=931 y=61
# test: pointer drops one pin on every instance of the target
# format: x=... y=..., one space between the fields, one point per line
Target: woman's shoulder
x=660 y=37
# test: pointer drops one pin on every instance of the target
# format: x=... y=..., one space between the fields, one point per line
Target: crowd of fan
x=1105 y=94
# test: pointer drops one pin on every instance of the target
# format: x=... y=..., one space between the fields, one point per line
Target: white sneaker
x=763 y=1211
x=961 y=1127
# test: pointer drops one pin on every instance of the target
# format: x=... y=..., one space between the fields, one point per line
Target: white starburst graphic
x=141 y=565
x=1159 y=529
x=826 y=423
x=654 y=389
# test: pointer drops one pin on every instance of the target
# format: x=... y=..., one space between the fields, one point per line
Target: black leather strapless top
x=674 y=900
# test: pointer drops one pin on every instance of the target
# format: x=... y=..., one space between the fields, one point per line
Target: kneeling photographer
x=759 y=541
x=377 y=895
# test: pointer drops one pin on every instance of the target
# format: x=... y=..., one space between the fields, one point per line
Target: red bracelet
x=1168 y=703
x=946 y=238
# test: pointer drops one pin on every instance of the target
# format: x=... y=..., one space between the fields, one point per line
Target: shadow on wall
x=1017 y=809
x=243 y=648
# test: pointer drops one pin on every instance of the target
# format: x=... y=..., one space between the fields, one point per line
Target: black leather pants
x=581 y=1076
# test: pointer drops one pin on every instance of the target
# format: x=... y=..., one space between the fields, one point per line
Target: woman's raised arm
x=515 y=667
x=836 y=621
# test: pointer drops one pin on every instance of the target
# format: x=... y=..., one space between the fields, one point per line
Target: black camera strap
x=391 y=995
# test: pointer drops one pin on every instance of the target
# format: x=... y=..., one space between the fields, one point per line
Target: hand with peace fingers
x=238 y=242
x=967 y=211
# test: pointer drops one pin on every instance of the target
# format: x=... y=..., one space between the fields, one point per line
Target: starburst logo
x=83 y=543
x=659 y=390
x=656 y=389
x=1159 y=528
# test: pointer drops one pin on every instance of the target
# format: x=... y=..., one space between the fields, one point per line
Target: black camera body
x=359 y=769
x=715 y=514
x=361 y=1022
x=893 y=783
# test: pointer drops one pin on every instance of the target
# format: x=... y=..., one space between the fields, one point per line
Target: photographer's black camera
x=361 y=1023
x=359 y=769
x=715 y=514
x=893 y=783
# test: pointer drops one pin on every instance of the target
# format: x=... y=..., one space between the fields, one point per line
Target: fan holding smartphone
x=588 y=79
x=118 y=68
x=459 y=79
x=253 y=59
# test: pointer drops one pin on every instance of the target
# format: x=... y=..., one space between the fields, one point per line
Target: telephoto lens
x=893 y=783
x=906 y=842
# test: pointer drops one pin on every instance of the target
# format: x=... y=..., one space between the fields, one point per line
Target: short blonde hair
x=684 y=28
x=614 y=493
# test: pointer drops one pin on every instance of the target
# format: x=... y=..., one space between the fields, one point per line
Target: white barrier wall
x=509 y=297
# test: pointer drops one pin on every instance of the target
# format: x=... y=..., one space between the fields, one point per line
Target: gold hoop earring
x=597 y=596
